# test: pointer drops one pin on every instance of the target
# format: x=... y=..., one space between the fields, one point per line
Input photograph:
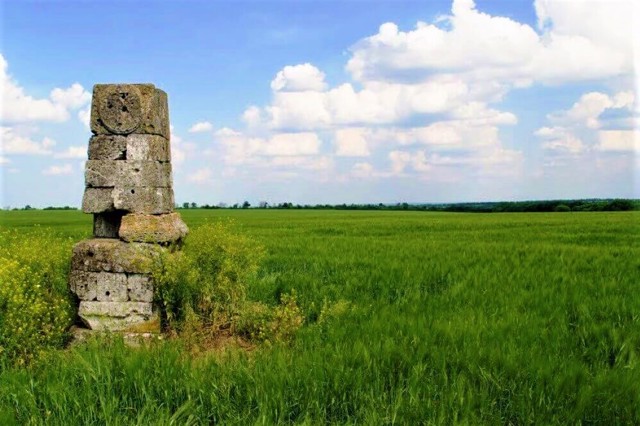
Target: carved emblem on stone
x=120 y=110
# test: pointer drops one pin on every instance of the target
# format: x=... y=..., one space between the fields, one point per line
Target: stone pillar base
x=112 y=279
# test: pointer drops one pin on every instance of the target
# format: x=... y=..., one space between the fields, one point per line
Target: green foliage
x=331 y=312
x=410 y=318
x=204 y=286
x=562 y=208
x=262 y=323
x=35 y=308
x=206 y=282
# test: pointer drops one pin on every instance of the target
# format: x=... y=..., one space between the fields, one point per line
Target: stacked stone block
x=129 y=191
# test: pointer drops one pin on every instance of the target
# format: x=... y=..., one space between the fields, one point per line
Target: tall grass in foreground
x=410 y=318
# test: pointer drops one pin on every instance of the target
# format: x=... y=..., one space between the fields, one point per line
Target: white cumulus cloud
x=16 y=106
x=252 y=116
x=485 y=47
x=201 y=127
x=496 y=160
x=12 y=142
x=289 y=144
x=576 y=130
x=72 y=152
x=299 y=78
x=457 y=135
x=560 y=139
x=65 y=169
x=588 y=109
x=362 y=170
x=351 y=142
x=619 y=140
x=240 y=148
x=200 y=176
x=72 y=98
x=84 y=115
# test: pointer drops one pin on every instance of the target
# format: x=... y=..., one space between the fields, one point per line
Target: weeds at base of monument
x=202 y=291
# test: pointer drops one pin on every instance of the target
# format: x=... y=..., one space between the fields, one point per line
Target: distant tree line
x=589 y=205
x=60 y=208
x=244 y=205
x=484 y=207
x=28 y=207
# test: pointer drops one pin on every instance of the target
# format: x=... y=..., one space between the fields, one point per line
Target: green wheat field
x=409 y=318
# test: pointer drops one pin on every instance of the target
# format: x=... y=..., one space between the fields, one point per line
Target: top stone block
x=122 y=109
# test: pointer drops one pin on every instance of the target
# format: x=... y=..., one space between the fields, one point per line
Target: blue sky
x=333 y=102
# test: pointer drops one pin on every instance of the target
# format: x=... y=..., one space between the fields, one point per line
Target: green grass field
x=429 y=318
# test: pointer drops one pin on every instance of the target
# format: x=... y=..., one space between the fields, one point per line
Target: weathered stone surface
x=101 y=254
x=106 y=225
x=116 y=309
x=111 y=287
x=99 y=286
x=144 y=200
x=101 y=173
x=107 y=147
x=129 y=108
x=140 y=288
x=156 y=118
x=127 y=173
x=134 y=173
x=83 y=284
x=147 y=148
x=115 y=315
x=97 y=200
x=129 y=147
x=165 y=228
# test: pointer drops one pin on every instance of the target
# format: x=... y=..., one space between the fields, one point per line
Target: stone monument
x=129 y=191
